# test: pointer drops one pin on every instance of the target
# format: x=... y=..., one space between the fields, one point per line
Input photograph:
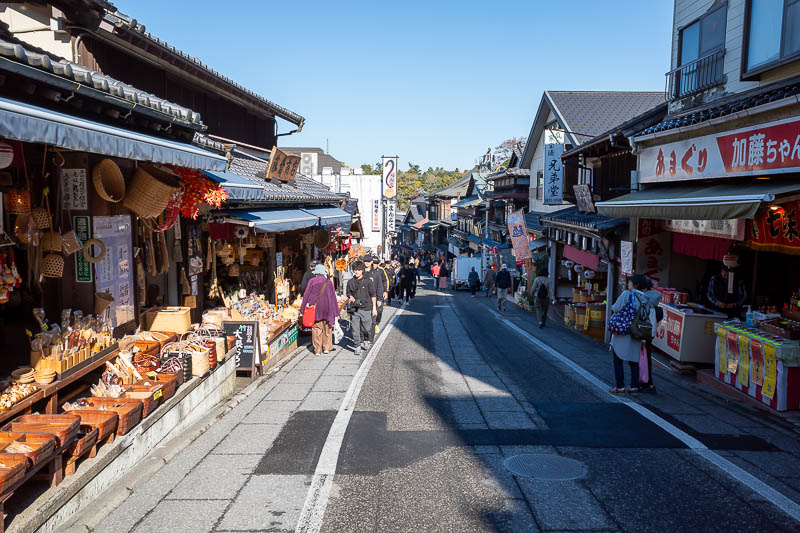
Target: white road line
x=773 y=496
x=317 y=499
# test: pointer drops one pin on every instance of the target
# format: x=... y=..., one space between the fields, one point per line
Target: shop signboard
x=74 y=195
x=626 y=253
x=245 y=341
x=770 y=148
x=583 y=197
x=725 y=229
x=519 y=235
x=284 y=339
x=282 y=167
x=777 y=229
x=376 y=215
x=114 y=273
x=757 y=361
x=83 y=269
x=674 y=326
x=389 y=176
x=653 y=256
x=553 y=174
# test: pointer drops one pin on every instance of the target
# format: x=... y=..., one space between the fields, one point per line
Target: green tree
x=368 y=169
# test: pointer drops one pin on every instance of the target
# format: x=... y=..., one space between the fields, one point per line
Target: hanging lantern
x=578 y=268
x=19 y=201
x=588 y=274
x=6 y=155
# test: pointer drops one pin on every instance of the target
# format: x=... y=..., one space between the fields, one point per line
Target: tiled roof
x=515 y=172
x=731 y=104
x=532 y=222
x=124 y=22
x=573 y=216
x=323 y=159
x=304 y=189
x=13 y=50
x=590 y=113
x=454 y=190
x=415 y=214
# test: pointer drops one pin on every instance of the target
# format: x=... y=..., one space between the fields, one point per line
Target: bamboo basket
x=51 y=241
x=41 y=217
x=147 y=195
x=19 y=202
x=52 y=266
x=70 y=243
x=108 y=181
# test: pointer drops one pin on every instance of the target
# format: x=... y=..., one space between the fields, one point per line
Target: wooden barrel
x=569 y=314
x=580 y=317
x=576 y=295
x=597 y=315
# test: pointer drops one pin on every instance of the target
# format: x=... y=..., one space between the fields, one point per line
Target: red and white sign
x=653 y=255
x=727 y=229
x=772 y=148
x=674 y=327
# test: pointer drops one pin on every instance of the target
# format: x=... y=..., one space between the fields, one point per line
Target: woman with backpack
x=541 y=295
x=633 y=323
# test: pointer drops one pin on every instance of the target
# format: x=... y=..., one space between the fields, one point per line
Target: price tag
x=152 y=375
x=157 y=394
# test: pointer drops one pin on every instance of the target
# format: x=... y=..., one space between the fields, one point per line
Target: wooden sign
x=583 y=195
x=245 y=342
x=282 y=167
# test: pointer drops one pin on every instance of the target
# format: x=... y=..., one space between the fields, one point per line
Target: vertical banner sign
x=391 y=216
x=376 y=215
x=83 y=269
x=74 y=194
x=770 y=371
x=519 y=235
x=722 y=350
x=389 y=166
x=553 y=174
x=626 y=251
x=757 y=361
x=733 y=352
x=743 y=377
x=114 y=273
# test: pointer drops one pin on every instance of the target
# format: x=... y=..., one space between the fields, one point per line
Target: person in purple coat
x=320 y=293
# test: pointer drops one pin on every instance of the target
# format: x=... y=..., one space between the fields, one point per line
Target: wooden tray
x=105 y=421
x=14 y=469
x=153 y=347
x=83 y=441
x=168 y=382
x=151 y=396
x=129 y=411
x=43 y=446
x=64 y=427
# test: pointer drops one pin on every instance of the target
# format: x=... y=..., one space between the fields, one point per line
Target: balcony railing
x=699 y=75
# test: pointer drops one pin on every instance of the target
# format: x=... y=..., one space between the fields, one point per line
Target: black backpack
x=641 y=327
x=542 y=292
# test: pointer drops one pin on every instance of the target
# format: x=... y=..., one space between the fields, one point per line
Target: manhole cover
x=544 y=466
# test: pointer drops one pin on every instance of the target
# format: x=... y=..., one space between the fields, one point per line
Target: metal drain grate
x=544 y=466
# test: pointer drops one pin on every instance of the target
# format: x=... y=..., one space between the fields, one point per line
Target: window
x=700 y=53
x=772 y=33
x=704 y=36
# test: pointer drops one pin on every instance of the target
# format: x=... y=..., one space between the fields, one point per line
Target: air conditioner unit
x=308 y=163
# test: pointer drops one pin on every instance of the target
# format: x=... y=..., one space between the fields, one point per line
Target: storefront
x=717 y=231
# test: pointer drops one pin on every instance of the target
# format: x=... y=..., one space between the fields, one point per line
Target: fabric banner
x=722 y=350
x=777 y=229
x=770 y=371
x=743 y=376
x=757 y=361
x=587 y=259
x=733 y=352
x=389 y=176
x=519 y=235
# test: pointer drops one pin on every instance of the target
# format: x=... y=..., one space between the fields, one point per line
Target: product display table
x=687 y=333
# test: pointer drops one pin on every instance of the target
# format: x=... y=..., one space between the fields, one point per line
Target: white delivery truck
x=462 y=266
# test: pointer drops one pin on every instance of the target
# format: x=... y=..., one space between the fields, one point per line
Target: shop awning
x=274 y=220
x=238 y=187
x=538 y=243
x=716 y=202
x=28 y=123
x=330 y=216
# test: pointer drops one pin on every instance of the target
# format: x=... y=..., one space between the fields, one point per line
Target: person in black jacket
x=380 y=290
x=307 y=276
x=361 y=292
x=405 y=281
x=503 y=284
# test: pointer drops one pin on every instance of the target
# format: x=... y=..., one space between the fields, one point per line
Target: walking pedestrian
x=474 y=281
x=307 y=275
x=653 y=297
x=435 y=273
x=321 y=295
x=405 y=281
x=380 y=291
x=361 y=295
x=444 y=274
x=541 y=295
x=623 y=346
x=414 y=273
x=489 y=280
x=503 y=286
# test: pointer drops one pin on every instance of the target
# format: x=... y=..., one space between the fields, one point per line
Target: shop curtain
x=700 y=246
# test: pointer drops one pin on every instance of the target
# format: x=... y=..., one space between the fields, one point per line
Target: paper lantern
x=6 y=155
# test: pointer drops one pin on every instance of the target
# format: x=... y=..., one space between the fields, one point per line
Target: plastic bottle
x=748 y=317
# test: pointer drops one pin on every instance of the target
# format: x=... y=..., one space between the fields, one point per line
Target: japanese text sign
x=519 y=235
x=113 y=273
x=376 y=215
x=83 y=268
x=553 y=174
x=391 y=216
x=245 y=341
x=777 y=229
x=771 y=148
x=389 y=176
x=282 y=166
x=74 y=193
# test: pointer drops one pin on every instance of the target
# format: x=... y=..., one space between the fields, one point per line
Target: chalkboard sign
x=245 y=341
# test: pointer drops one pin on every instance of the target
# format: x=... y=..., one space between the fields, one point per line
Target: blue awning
x=28 y=123
x=538 y=243
x=238 y=187
x=276 y=220
x=473 y=238
x=330 y=216
x=491 y=243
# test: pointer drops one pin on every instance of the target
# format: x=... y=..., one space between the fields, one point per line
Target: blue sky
x=433 y=82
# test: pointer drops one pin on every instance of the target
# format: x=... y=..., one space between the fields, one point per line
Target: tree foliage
x=414 y=182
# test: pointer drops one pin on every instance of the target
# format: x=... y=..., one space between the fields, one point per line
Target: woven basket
x=265 y=241
x=255 y=260
x=228 y=260
x=108 y=181
x=233 y=271
x=250 y=241
x=70 y=243
x=148 y=196
x=41 y=217
x=19 y=202
x=51 y=241
x=52 y=266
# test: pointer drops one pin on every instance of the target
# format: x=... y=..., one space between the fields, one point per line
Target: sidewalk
x=189 y=494
x=767 y=446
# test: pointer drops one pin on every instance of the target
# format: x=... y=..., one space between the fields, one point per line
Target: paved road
x=453 y=392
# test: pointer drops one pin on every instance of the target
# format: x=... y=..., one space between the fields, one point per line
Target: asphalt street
x=453 y=393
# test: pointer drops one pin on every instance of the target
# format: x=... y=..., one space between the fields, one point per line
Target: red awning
x=700 y=246
x=587 y=259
